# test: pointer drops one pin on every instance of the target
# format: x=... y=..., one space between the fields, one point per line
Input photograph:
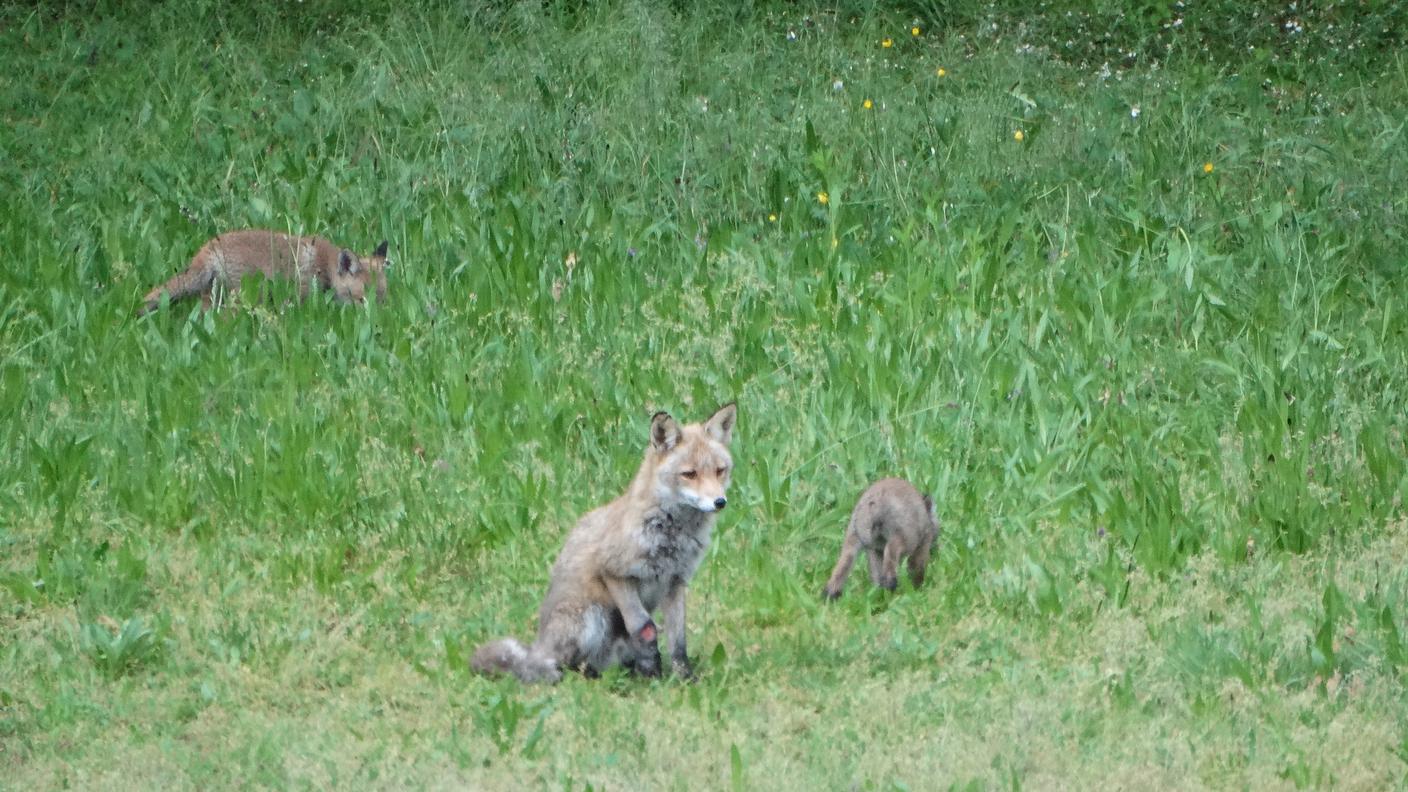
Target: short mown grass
x=1141 y=328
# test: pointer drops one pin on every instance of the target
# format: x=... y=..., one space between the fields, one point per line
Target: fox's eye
x=689 y=474
x=722 y=471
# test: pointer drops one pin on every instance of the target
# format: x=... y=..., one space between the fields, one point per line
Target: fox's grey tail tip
x=508 y=656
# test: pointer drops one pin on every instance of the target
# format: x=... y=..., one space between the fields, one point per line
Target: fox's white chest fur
x=671 y=546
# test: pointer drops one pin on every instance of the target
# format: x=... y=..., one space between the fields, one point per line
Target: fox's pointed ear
x=346 y=264
x=720 y=424
x=380 y=250
x=664 y=432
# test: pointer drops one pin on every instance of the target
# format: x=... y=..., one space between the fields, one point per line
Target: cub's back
x=235 y=253
x=891 y=506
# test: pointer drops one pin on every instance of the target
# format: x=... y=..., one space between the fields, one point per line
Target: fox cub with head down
x=627 y=558
x=891 y=520
x=308 y=261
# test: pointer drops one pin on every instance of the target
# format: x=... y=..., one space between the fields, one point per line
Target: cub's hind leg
x=889 y=563
x=877 y=564
x=919 y=560
x=850 y=548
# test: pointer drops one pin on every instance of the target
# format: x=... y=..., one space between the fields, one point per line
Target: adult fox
x=308 y=261
x=626 y=559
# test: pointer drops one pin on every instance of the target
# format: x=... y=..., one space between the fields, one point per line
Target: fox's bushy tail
x=194 y=280
x=507 y=655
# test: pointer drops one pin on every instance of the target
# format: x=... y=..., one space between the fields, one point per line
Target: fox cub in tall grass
x=308 y=261
x=891 y=520
x=627 y=558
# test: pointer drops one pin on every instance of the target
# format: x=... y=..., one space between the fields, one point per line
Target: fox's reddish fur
x=309 y=261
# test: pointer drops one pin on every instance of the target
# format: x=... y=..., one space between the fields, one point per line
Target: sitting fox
x=891 y=520
x=627 y=558
x=308 y=261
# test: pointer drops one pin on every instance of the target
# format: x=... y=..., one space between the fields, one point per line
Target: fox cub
x=627 y=558
x=309 y=261
x=892 y=519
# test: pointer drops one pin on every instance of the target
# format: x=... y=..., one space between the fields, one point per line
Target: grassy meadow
x=1134 y=312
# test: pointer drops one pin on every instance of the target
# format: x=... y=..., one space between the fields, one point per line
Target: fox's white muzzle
x=706 y=504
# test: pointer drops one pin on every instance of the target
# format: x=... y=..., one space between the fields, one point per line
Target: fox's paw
x=889 y=583
x=643 y=660
x=830 y=594
x=683 y=670
x=647 y=666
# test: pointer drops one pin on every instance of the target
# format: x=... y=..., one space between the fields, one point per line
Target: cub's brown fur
x=891 y=520
x=627 y=558
x=308 y=261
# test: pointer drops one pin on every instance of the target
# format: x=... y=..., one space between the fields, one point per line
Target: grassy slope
x=1161 y=409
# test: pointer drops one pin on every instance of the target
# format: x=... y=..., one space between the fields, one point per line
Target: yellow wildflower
x=887 y=43
x=1018 y=136
x=942 y=72
x=914 y=31
x=1207 y=167
x=822 y=198
x=772 y=217
x=867 y=104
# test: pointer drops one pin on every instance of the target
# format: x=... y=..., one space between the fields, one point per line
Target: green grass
x=1161 y=411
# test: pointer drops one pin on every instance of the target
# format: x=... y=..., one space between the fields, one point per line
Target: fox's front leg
x=640 y=629
x=674 y=632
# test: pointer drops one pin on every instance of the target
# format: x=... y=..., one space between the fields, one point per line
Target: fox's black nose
x=719 y=503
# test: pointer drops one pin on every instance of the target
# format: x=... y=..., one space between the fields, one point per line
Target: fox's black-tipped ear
x=720 y=424
x=346 y=263
x=381 y=250
x=664 y=432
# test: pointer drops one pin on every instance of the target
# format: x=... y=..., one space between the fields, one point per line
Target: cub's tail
x=194 y=280
x=507 y=655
